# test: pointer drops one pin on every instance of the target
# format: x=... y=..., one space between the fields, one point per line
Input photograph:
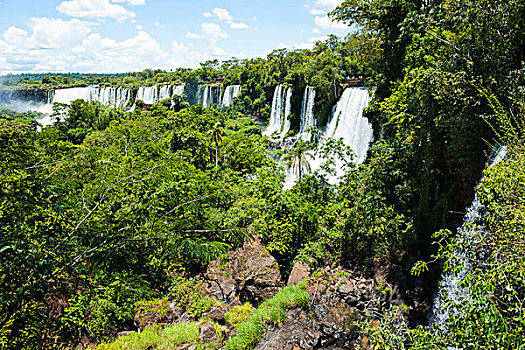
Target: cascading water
x=307 y=113
x=69 y=95
x=177 y=90
x=209 y=94
x=148 y=94
x=230 y=93
x=281 y=110
x=451 y=292
x=347 y=123
x=115 y=96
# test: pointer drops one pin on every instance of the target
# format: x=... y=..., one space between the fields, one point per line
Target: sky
x=117 y=36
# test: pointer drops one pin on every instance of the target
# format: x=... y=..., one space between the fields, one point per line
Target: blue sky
x=102 y=36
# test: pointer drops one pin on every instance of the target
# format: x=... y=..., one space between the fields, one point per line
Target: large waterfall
x=209 y=94
x=347 y=123
x=307 y=112
x=115 y=96
x=154 y=94
x=469 y=239
x=281 y=110
x=230 y=93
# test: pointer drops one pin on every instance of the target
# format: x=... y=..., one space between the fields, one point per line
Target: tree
x=297 y=158
x=215 y=138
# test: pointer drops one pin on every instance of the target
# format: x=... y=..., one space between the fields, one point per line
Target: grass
x=249 y=331
x=273 y=311
x=155 y=337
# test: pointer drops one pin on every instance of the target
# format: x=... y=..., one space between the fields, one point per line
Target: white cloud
x=223 y=15
x=213 y=32
x=96 y=53
x=191 y=35
x=238 y=25
x=59 y=33
x=321 y=7
x=95 y=9
x=139 y=27
x=327 y=23
x=132 y=2
x=179 y=48
x=217 y=51
x=310 y=44
x=54 y=45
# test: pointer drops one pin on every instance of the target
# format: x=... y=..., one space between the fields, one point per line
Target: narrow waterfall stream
x=307 y=113
x=451 y=290
x=281 y=109
x=231 y=92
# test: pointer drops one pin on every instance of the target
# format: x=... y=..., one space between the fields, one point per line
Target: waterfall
x=230 y=93
x=178 y=90
x=71 y=94
x=23 y=100
x=148 y=94
x=469 y=237
x=208 y=95
x=346 y=123
x=307 y=113
x=349 y=124
x=281 y=110
x=114 y=96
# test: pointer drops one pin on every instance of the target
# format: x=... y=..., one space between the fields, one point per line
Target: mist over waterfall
x=469 y=248
x=231 y=92
x=281 y=110
x=307 y=112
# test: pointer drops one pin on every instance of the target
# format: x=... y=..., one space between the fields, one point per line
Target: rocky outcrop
x=337 y=299
x=300 y=272
x=208 y=334
x=250 y=272
x=159 y=312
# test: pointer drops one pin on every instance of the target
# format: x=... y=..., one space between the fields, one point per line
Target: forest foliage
x=99 y=211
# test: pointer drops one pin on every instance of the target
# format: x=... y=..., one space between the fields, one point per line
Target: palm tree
x=215 y=137
x=296 y=158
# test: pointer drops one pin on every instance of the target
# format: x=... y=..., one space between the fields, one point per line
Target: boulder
x=161 y=312
x=337 y=299
x=207 y=333
x=300 y=272
x=249 y=271
x=217 y=313
x=393 y=282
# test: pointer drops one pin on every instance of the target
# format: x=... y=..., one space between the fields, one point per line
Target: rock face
x=250 y=272
x=208 y=333
x=300 y=272
x=337 y=299
x=217 y=313
x=161 y=313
